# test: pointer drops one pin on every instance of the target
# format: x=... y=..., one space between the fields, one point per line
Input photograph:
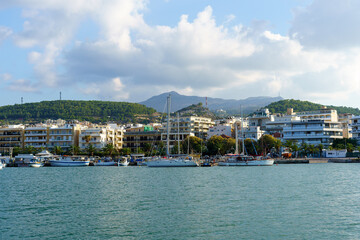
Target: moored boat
x=245 y=160
x=36 y=164
x=69 y=162
x=176 y=161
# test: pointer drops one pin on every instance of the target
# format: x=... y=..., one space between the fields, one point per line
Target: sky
x=130 y=50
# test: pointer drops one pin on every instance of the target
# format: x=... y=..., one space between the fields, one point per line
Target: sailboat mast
x=236 y=139
x=178 y=136
x=167 y=126
x=242 y=134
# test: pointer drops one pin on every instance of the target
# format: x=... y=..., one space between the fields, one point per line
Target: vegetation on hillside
x=300 y=106
x=94 y=111
x=197 y=110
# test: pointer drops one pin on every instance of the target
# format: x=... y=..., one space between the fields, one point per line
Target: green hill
x=94 y=111
x=300 y=106
x=197 y=110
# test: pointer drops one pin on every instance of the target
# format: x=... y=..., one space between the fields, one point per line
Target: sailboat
x=242 y=159
x=178 y=161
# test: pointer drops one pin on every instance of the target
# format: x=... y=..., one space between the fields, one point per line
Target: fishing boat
x=69 y=162
x=169 y=161
x=104 y=162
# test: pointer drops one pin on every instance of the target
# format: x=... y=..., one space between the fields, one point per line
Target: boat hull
x=36 y=165
x=267 y=162
x=56 y=163
x=171 y=163
x=104 y=164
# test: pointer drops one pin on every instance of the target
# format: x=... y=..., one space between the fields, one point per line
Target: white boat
x=36 y=164
x=69 y=162
x=123 y=164
x=3 y=161
x=175 y=161
x=234 y=160
x=104 y=163
x=172 y=162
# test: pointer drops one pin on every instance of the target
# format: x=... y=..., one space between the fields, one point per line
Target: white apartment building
x=355 y=128
x=313 y=132
x=100 y=136
x=36 y=136
x=252 y=132
x=220 y=130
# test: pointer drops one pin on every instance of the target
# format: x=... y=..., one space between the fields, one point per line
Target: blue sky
x=130 y=50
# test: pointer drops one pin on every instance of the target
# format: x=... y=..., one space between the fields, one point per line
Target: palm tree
x=57 y=150
x=75 y=150
x=90 y=149
x=108 y=149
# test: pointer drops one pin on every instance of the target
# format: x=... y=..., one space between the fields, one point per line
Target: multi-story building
x=10 y=137
x=36 y=136
x=355 y=128
x=135 y=140
x=100 y=136
x=260 y=118
x=64 y=136
x=220 y=130
x=313 y=132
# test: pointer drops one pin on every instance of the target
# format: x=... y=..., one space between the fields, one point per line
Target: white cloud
x=23 y=85
x=317 y=61
x=4 y=33
x=112 y=89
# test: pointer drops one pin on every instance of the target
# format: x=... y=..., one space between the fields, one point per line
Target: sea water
x=310 y=201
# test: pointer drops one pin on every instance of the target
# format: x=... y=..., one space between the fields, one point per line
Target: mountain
x=231 y=106
x=94 y=111
x=300 y=106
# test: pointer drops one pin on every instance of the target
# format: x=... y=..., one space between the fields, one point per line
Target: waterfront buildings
x=10 y=137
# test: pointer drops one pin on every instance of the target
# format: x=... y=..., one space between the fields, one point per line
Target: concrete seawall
x=315 y=160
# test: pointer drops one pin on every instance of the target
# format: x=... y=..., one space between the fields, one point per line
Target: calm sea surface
x=310 y=201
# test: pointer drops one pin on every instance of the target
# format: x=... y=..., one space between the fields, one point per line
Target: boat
x=172 y=162
x=3 y=162
x=123 y=163
x=243 y=159
x=169 y=161
x=25 y=160
x=104 y=162
x=69 y=162
x=36 y=164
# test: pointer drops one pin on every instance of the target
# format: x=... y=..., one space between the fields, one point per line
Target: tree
x=125 y=151
x=57 y=150
x=109 y=149
x=195 y=144
x=266 y=143
x=90 y=150
x=251 y=146
x=87 y=138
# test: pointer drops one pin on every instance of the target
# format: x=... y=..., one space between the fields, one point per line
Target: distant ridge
x=231 y=106
x=300 y=106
